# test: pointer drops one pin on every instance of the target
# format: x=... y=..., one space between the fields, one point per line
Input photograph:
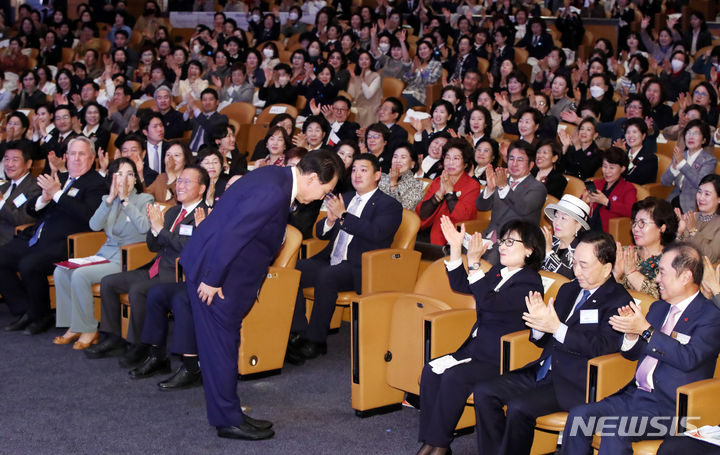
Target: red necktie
x=155 y=268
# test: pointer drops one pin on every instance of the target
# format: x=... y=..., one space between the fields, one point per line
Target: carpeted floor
x=54 y=400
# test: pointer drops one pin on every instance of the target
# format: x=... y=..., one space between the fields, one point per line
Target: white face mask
x=677 y=65
x=196 y=49
x=312 y=52
x=596 y=92
x=638 y=68
x=255 y=18
x=293 y=16
x=384 y=47
x=268 y=53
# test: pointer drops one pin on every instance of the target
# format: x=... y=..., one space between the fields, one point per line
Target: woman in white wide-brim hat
x=569 y=217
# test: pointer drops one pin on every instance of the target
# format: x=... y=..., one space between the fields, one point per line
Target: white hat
x=572 y=206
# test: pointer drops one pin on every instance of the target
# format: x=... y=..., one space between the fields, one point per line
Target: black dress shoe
x=41 y=325
x=20 y=324
x=135 y=356
x=311 y=349
x=182 y=379
x=258 y=423
x=244 y=431
x=293 y=354
x=150 y=367
x=109 y=347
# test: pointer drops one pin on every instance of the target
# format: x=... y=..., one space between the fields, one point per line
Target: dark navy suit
x=564 y=385
x=162 y=299
x=443 y=397
x=678 y=364
x=644 y=168
x=372 y=230
x=233 y=249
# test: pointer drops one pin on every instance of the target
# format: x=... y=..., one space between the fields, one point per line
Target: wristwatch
x=474 y=266
x=647 y=334
x=342 y=218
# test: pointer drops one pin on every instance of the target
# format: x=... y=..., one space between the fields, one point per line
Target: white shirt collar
x=191 y=207
x=682 y=305
x=366 y=197
x=92 y=130
x=512 y=180
x=19 y=181
x=293 y=194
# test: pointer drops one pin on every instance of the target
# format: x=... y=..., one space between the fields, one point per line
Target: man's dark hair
x=211 y=91
x=326 y=164
x=23 y=119
x=604 y=244
x=369 y=157
x=283 y=67
x=122 y=32
x=531 y=236
x=204 y=176
x=70 y=108
x=343 y=99
x=688 y=258
x=134 y=138
x=147 y=118
x=525 y=146
x=127 y=91
x=19 y=145
x=397 y=106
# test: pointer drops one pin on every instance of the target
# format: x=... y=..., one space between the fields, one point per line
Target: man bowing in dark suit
x=368 y=223
x=225 y=263
x=675 y=345
x=571 y=330
x=20 y=187
x=64 y=207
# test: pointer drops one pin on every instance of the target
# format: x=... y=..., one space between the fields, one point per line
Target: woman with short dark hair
x=612 y=196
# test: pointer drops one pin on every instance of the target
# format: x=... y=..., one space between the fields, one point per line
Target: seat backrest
x=551 y=283
x=389 y=270
x=243 y=113
x=270 y=112
x=641 y=192
x=407 y=232
x=406 y=360
x=666 y=148
x=663 y=163
x=575 y=186
x=434 y=283
x=642 y=299
x=288 y=254
x=392 y=87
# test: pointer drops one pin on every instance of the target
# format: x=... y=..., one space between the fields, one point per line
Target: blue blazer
x=373 y=230
x=498 y=313
x=238 y=241
x=582 y=341
x=679 y=364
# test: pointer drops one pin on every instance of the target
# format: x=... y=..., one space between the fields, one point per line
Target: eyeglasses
x=508 y=242
x=693 y=133
x=185 y=181
x=700 y=94
x=373 y=136
x=640 y=223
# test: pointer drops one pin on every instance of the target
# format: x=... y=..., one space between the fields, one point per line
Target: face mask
x=255 y=18
x=268 y=53
x=196 y=49
x=313 y=52
x=596 y=92
x=677 y=65
x=293 y=16
x=638 y=68
x=384 y=47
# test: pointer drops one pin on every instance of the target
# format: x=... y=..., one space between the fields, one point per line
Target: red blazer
x=622 y=198
x=465 y=209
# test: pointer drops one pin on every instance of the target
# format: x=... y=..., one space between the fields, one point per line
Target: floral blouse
x=409 y=191
x=649 y=269
x=418 y=80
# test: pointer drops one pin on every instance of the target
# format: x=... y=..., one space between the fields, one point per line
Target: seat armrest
x=311 y=247
x=606 y=374
x=658 y=190
x=135 y=255
x=446 y=330
x=22 y=227
x=698 y=399
x=84 y=244
x=516 y=351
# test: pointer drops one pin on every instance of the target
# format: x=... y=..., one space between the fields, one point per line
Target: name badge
x=186 y=229
x=20 y=200
x=681 y=337
x=72 y=192
x=589 y=316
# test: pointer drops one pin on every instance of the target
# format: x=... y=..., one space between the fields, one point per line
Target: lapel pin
x=686 y=319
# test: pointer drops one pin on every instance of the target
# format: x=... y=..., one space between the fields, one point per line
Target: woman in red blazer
x=614 y=196
x=453 y=193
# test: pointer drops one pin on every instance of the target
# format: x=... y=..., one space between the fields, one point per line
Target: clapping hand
x=501 y=177
x=453 y=237
x=677 y=157
x=155 y=216
x=57 y=164
x=199 y=215
x=629 y=320
x=50 y=185
x=113 y=190
x=300 y=140
x=711 y=278
x=540 y=316
x=548 y=239
x=103 y=159
x=336 y=207
x=476 y=248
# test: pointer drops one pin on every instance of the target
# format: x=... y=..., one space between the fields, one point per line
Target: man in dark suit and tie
x=225 y=264
x=167 y=236
x=64 y=207
x=56 y=145
x=571 y=330
x=368 y=223
x=204 y=120
x=341 y=129
x=20 y=187
x=675 y=345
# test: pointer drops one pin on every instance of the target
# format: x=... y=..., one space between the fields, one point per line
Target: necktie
x=199 y=138
x=545 y=367
x=155 y=268
x=343 y=237
x=648 y=364
x=154 y=159
x=12 y=188
x=513 y=183
x=36 y=236
x=535 y=40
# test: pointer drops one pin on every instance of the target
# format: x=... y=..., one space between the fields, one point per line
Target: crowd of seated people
x=122 y=124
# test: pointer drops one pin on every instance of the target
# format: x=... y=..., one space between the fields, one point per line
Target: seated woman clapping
x=123 y=217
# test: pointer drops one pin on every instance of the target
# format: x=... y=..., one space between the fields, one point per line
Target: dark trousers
x=327 y=280
x=632 y=402
x=218 y=341
x=136 y=284
x=161 y=299
x=526 y=400
x=443 y=397
x=687 y=445
x=29 y=293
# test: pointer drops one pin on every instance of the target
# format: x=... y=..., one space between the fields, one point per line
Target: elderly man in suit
x=64 y=207
x=389 y=114
x=175 y=124
x=225 y=264
x=205 y=119
x=368 y=223
x=167 y=236
x=341 y=129
x=571 y=330
x=20 y=187
x=676 y=344
x=518 y=197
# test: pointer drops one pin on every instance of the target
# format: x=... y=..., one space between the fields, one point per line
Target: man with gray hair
x=175 y=124
x=64 y=207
